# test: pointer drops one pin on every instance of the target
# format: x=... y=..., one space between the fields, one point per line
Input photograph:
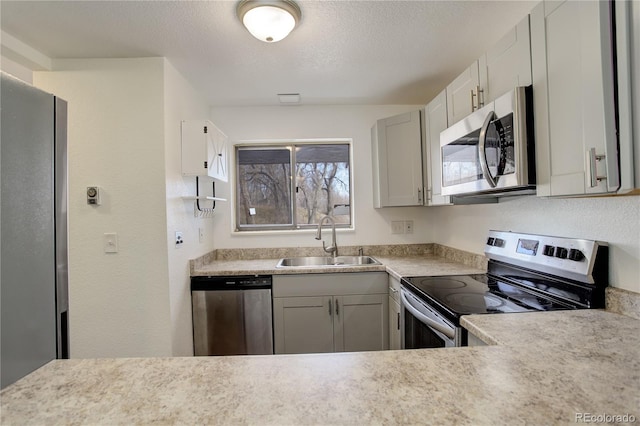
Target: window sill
x=291 y=231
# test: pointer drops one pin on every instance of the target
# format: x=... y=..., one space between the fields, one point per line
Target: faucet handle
x=330 y=249
x=360 y=251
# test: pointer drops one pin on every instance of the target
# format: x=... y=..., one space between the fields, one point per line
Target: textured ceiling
x=343 y=52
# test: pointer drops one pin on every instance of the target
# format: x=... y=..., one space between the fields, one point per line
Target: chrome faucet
x=333 y=248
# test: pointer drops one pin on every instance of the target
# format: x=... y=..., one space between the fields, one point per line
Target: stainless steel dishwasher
x=232 y=315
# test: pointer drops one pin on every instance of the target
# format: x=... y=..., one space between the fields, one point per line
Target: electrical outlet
x=179 y=240
x=397 y=227
x=408 y=227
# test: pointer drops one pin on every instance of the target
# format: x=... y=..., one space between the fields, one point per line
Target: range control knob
x=548 y=250
x=576 y=255
x=561 y=252
x=499 y=242
x=490 y=241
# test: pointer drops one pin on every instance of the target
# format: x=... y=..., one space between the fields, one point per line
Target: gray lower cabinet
x=330 y=312
x=395 y=331
x=395 y=335
x=472 y=340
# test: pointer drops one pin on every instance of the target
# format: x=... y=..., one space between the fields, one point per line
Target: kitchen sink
x=320 y=261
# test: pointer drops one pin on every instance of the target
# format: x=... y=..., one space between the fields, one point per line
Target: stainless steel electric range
x=525 y=273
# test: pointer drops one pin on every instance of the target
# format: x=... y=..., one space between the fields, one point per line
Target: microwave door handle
x=447 y=331
x=482 y=141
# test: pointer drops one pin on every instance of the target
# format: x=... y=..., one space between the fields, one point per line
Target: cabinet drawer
x=394 y=288
x=330 y=284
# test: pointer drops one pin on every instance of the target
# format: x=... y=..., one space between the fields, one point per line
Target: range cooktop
x=525 y=273
x=478 y=294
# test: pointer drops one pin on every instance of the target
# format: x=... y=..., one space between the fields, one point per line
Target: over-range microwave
x=491 y=151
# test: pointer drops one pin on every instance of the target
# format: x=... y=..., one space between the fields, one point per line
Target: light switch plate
x=397 y=227
x=110 y=242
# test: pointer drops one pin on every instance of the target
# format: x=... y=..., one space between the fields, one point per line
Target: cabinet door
x=459 y=94
x=194 y=148
x=573 y=98
x=435 y=122
x=507 y=64
x=397 y=144
x=360 y=323
x=395 y=336
x=204 y=150
x=217 y=155
x=303 y=324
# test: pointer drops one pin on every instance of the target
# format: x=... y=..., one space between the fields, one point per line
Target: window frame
x=289 y=144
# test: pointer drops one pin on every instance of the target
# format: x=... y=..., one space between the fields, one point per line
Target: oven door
x=423 y=327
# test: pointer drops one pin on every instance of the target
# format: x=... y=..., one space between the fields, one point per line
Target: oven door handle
x=425 y=319
x=482 y=153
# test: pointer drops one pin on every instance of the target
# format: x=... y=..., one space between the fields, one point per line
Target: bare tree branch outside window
x=265 y=183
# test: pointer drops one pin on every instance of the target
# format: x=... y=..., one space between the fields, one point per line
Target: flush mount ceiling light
x=269 y=21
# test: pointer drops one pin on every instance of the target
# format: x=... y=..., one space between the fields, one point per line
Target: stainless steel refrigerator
x=33 y=215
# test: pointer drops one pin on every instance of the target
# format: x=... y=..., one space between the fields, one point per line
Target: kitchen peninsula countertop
x=543 y=371
x=539 y=368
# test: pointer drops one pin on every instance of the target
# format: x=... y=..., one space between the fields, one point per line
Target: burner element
x=474 y=302
x=442 y=282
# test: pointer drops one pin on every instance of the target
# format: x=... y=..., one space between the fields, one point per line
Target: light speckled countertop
x=596 y=329
x=544 y=368
x=488 y=385
x=397 y=266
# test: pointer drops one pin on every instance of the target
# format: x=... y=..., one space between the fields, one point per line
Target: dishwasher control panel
x=231 y=282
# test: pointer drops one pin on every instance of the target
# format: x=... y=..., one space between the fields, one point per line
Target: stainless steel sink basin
x=320 y=261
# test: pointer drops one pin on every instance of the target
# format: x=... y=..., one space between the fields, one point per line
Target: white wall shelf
x=193 y=197
x=198 y=210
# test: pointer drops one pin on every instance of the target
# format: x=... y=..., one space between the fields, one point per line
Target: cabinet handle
x=480 y=99
x=398 y=320
x=473 y=107
x=419 y=195
x=337 y=308
x=593 y=158
x=329 y=307
x=393 y=290
x=476 y=94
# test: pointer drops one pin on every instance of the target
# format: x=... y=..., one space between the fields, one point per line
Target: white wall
x=182 y=102
x=308 y=122
x=118 y=303
x=15 y=69
x=615 y=220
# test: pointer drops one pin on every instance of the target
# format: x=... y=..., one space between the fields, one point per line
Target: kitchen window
x=292 y=186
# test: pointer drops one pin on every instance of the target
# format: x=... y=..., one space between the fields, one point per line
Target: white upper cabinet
x=506 y=65
x=435 y=121
x=576 y=145
x=462 y=94
x=397 y=161
x=204 y=150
